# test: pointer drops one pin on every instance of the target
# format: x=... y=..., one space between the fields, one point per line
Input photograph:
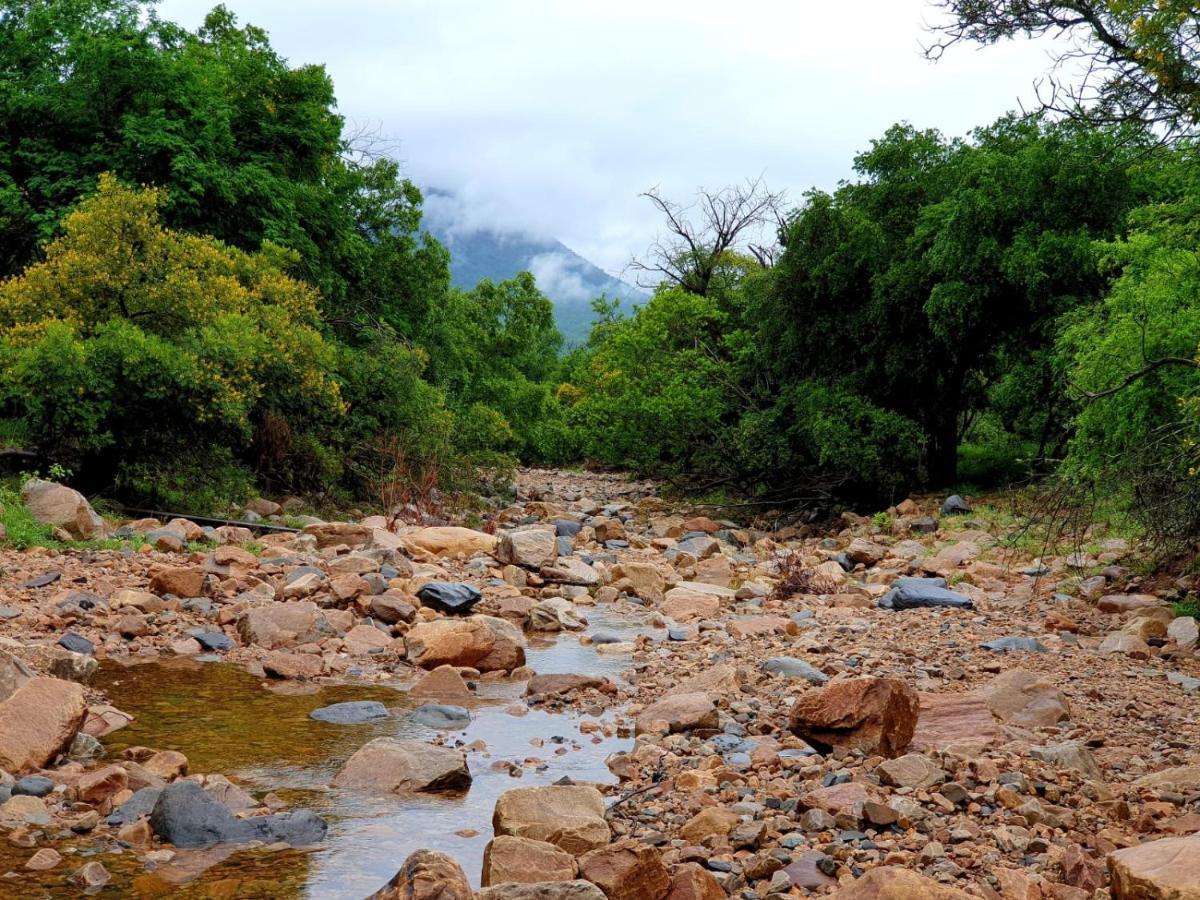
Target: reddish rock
x=896 y=883
x=1166 y=869
x=98 y=785
x=572 y=817
x=681 y=712
x=427 y=875
x=875 y=715
x=182 y=581
x=38 y=721
x=295 y=666
x=509 y=859
x=627 y=870
x=693 y=882
x=455 y=642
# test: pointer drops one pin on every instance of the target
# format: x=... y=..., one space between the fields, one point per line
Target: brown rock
x=61 y=507
x=564 y=684
x=443 y=683
x=709 y=823
x=46 y=858
x=836 y=798
x=182 y=581
x=546 y=890
x=569 y=816
x=90 y=876
x=392 y=607
x=866 y=552
x=875 y=715
x=293 y=666
x=896 y=883
x=676 y=713
x=509 y=859
x=1119 y=603
x=339 y=534
x=450 y=541
x=38 y=721
x=405 y=767
x=530 y=548
x=955 y=721
x=1025 y=699
x=98 y=785
x=645 y=580
x=363 y=639
x=701 y=523
x=427 y=875
x=911 y=770
x=693 y=882
x=277 y=625
x=455 y=642
x=1166 y=869
x=13 y=674
x=803 y=872
x=508 y=649
x=683 y=605
x=627 y=870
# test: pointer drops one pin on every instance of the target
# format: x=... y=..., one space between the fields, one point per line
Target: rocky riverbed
x=593 y=695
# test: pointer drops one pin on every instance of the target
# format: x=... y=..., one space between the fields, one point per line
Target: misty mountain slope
x=569 y=280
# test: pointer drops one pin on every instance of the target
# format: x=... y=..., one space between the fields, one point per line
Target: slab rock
x=896 y=883
x=1025 y=699
x=875 y=715
x=508 y=859
x=427 y=875
x=278 y=625
x=1166 y=869
x=546 y=890
x=453 y=642
x=627 y=870
x=62 y=507
x=38 y=721
x=679 y=712
x=450 y=541
x=571 y=817
x=404 y=767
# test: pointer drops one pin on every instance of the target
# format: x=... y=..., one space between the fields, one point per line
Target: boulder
x=530 y=548
x=182 y=581
x=509 y=859
x=448 y=597
x=875 y=715
x=1184 y=632
x=954 y=505
x=508 y=651
x=547 y=890
x=442 y=716
x=339 y=534
x=569 y=816
x=277 y=625
x=38 y=721
x=676 y=713
x=912 y=770
x=186 y=816
x=454 y=642
x=352 y=712
x=427 y=875
x=794 y=668
x=692 y=882
x=627 y=870
x=921 y=593
x=896 y=883
x=443 y=683
x=555 y=614
x=13 y=674
x=1166 y=869
x=683 y=605
x=62 y=507
x=404 y=767
x=450 y=541
x=1025 y=699
x=645 y=580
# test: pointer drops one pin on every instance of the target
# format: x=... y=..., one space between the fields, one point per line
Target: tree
x=702 y=237
x=1125 y=60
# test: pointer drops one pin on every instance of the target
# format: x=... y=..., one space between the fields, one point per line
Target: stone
x=392 y=608
x=692 y=882
x=836 y=798
x=896 y=883
x=279 y=625
x=530 y=548
x=508 y=649
x=866 y=552
x=547 y=890
x=627 y=870
x=13 y=674
x=62 y=507
x=33 y=786
x=455 y=642
x=186 y=816
x=1014 y=644
x=450 y=598
x=363 y=639
x=182 y=581
x=912 y=770
x=339 y=534
x=708 y=823
x=211 y=639
x=875 y=715
x=443 y=683
x=645 y=580
x=955 y=721
x=554 y=614
x=1165 y=869
x=560 y=684
x=98 y=785
x=293 y=666
x=1125 y=643
x=45 y=859
x=450 y=541
x=1025 y=699
x=427 y=875
x=1184 y=632
x=442 y=716
x=90 y=876
x=683 y=605
x=794 y=668
x=404 y=767
x=921 y=593
x=76 y=643
x=1179 y=778
x=955 y=505
x=569 y=816
x=352 y=712
x=680 y=712
x=805 y=873
x=1069 y=756
x=38 y=721
x=570 y=571
x=509 y=859
x=1119 y=603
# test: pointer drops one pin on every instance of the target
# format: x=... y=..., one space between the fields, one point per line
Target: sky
x=550 y=116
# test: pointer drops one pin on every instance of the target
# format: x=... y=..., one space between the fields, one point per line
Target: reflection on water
x=230 y=722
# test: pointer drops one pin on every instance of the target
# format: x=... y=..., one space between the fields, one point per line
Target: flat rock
x=352 y=712
x=679 y=712
x=896 y=883
x=571 y=817
x=442 y=716
x=404 y=767
x=627 y=870
x=549 y=890
x=920 y=593
x=509 y=859
x=38 y=721
x=186 y=816
x=450 y=541
x=1166 y=869
x=1025 y=699
x=454 y=642
x=794 y=668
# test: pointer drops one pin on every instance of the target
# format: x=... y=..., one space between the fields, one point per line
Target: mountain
x=569 y=280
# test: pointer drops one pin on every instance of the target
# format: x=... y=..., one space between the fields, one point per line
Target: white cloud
x=550 y=116
x=559 y=277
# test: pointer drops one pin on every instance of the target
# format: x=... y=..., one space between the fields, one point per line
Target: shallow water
x=259 y=734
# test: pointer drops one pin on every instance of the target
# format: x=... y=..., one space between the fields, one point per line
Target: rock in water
x=442 y=716
x=427 y=875
x=569 y=816
x=186 y=816
x=875 y=715
x=918 y=593
x=352 y=712
x=38 y=721
x=405 y=767
x=451 y=598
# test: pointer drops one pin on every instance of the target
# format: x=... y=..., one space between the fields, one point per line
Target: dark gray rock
x=677 y=634
x=567 y=528
x=184 y=815
x=955 y=506
x=211 y=639
x=41 y=581
x=794 y=668
x=918 y=593
x=33 y=786
x=924 y=525
x=1011 y=644
x=440 y=715
x=564 y=546
x=606 y=637
x=140 y=804
x=352 y=712
x=449 y=597
x=76 y=643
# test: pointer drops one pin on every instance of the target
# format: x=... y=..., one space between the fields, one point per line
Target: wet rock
x=920 y=593
x=549 y=890
x=559 y=684
x=352 y=712
x=61 y=507
x=427 y=875
x=681 y=712
x=450 y=598
x=443 y=683
x=530 y=548
x=293 y=666
x=875 y=715
x=627 y=870
x=186 y=816
x=45 y=859
x=1165 y=869
x=442 y=716
x=454 y=642
x=100 y=784
x=508 y=648
x=38 y=721
x=404 y=767
x=794 y=668
x=90 y=876
x=569 y=816
x=896 y=883
x=140 y=805
x=450 y=541
x=554 y=614
x=508 y=859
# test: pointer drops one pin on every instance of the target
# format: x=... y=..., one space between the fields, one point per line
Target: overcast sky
x=551 y=115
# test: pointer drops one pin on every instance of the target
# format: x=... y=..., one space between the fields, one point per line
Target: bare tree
x=700 y=235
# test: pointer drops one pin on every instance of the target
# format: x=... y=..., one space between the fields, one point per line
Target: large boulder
x=450 y=541
x=508 y=651
x=516 y=859
x=1166 y=869
x=644 y=579
x=38 y=721
x=62 y=507
x=569 y=816
x=427 y=875
x=453 y=642
x=875 y=715
x=1025 y=699
x=545 y=890
x=528 y=547
x=628 y=870
x=187 y=816
x=394 y=766
x=896 y=883
x=277 y=625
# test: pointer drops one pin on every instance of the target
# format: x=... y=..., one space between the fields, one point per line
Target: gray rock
x=566 y=528
x=955 y=506
x=1014 y=644
x=449 y=597
x=211 y=639
x=140 y=804
x=918 y=593
x=440 y=715
x=33 y=786
x=76 y=643
x=184 y=815
x=352 y=712
x=8 y=612
x=794 y=668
